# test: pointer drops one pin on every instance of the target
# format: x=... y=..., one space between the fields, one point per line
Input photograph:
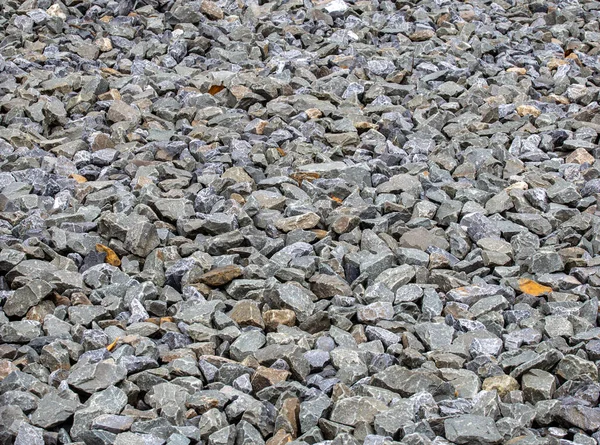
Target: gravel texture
x=327 y=222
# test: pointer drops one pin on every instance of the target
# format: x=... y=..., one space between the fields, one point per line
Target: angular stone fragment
x=538 y=385
x=580 y=156
x=211 y=10
x=142 y=239
x=120 y=111
x=406 y=382
x=584 y=417
x=528 y=110
x=277 y=317
x=246 y=344
x=110 y=401
x=472 y=429
x=304 y=222
x=26 y=297
x=375 y=312
x=220 y=276
x=20 y=331
x=247 y=313
x=352 y=410
x=112 y=423
x=327 y=286
x=573 y=367
x=503 y=384
x=292 y=297
x=264 y=377
x=53 y=410
x=422 y=239
x=435 y=335
x=91 y=378
x=29 y=435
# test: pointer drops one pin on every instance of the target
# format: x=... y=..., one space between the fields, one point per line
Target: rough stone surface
x=472 y=429
x=311 y=222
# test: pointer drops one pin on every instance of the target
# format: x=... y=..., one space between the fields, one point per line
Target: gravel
x=328 y=222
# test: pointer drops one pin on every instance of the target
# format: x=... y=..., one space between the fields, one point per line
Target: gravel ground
x=327 y=222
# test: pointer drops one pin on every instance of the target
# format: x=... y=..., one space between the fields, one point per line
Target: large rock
x=54 y=410
x=472 y=429
x=327 y=286
x=142 y=238
x=93 y=377
x=26 y=297
x=538 y=385
x=352 y=410
x=292 y=297
x=120 y=111
x=406 y=382
x=304 y=222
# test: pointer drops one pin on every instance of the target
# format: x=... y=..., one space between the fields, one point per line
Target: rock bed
x=306 y=222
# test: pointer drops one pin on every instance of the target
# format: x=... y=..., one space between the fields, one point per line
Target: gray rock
x=112 y=423
x=573 y=367
x=435 y=336
x=352 y=410
x=290 y=296
x=246 y=344
x=396 y=277
x=546 y=262
x=311 y=411
x=9 y=258
x=25 y=297
x=142 y=238
x=478 y=226
x=406 y=382
x=20 y=331
x=120 y=111
x=538 y=385
x=311 y=228
x=109 y=401
x=555 y=326
x=472 y=429
x=92 y=377
x=586 y=418
x=138 y=439
x=54 y=409
x=29 y=435
x=375 y=312
x=169 y=400
x=422 y=239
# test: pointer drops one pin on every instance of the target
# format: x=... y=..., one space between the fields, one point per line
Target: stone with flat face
x=220 y=276
x=353 y=410
x=26 y=297
x=472 y=429
x=306 y=221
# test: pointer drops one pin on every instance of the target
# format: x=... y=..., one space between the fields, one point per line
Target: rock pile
x=299 y=221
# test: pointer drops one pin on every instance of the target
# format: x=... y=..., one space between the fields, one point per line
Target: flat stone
x=406 y=382
x=90 y=378
x=53 y=410
x=472 y=429
x=120 y=111
x=538 y=385
x=303 y=222
x=353 y=410
x=220 y=276
x=26 y=297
